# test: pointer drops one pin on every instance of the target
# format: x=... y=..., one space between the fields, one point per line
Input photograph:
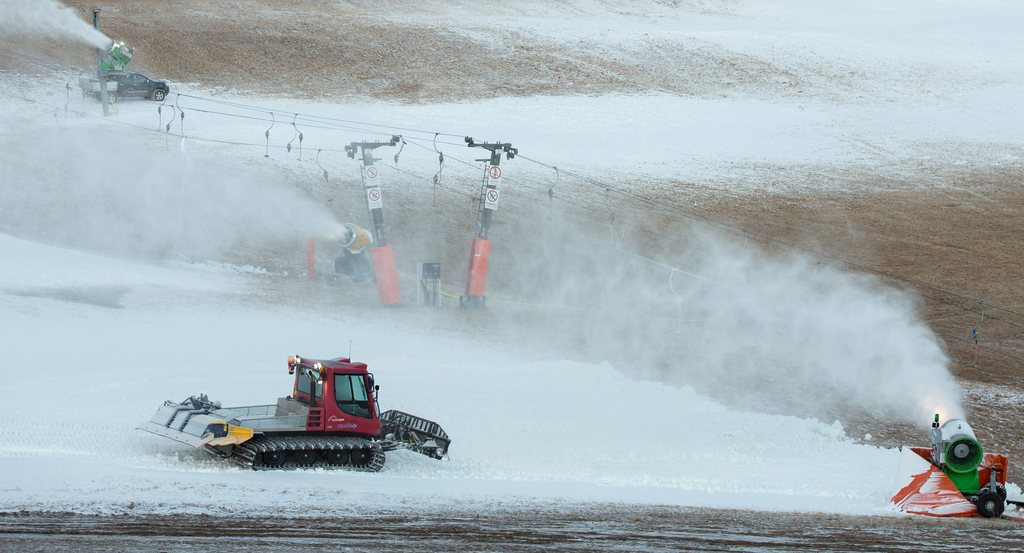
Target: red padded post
x=386 y=271
x=476 y=278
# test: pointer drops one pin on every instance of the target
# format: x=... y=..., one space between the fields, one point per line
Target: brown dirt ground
x=568 y=528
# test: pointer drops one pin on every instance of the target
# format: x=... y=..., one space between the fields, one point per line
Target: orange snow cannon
x=952 y=478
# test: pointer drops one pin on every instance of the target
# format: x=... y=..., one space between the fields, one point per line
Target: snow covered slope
x=91 y=346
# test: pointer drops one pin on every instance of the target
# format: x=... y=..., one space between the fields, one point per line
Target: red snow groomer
x=330 y=421
x=952 y=478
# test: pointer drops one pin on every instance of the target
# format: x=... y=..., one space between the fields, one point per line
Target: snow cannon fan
x=955 y=449
x=953 y=477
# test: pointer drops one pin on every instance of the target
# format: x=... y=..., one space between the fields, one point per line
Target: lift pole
x=101 y=75
x=480 y=251
x=382 y=256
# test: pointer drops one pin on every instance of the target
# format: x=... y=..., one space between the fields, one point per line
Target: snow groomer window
x=304 y=385
x=350 y=393
x=303 y=382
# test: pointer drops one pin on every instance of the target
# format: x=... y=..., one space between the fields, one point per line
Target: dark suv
x=134 y=85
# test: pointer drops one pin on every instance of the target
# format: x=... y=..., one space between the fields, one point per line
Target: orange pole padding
x=479 y=257
x=310 y=257
x=386 y=271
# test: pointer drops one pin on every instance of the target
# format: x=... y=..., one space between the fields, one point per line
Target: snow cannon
x=952 y=478
x=117 y=57
x=956 y=450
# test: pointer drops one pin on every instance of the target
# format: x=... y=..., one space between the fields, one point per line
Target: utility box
x=429 y=289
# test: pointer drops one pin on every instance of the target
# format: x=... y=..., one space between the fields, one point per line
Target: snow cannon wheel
x=305 y=457
x=990 y=504
x=338 y=457
x=274 y=458
x=361 y=457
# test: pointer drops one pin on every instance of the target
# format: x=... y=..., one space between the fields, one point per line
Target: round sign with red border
x=491 y=198
x=494 y=172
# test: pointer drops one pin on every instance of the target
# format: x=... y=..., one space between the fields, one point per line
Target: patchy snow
x=724 y=143
x=92 y=345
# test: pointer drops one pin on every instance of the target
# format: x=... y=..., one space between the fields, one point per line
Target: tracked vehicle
x=332 y=419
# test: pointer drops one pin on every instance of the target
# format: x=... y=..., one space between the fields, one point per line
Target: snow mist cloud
x=125 y=194
x=762 y=331
x=48 y=18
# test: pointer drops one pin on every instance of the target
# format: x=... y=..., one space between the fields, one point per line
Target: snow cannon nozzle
x=348 y=236
x=955 y=448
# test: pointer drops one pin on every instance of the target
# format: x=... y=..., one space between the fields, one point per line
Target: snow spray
x=49 y=18
x=151 y=202
x=809 y=332
x=759 y=330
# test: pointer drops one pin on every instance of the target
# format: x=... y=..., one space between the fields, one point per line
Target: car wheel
x=159 y=95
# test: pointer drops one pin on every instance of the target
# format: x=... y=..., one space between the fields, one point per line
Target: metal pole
x=100 y=74
x=480 y=250
x=382 y=256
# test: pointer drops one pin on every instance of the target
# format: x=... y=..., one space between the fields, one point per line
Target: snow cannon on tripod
x=952 y=478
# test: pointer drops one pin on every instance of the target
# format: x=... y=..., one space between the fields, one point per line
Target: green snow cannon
x=117 y=57
x=956 y=450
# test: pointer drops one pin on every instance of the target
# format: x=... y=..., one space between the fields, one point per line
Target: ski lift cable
x=984 y=348
x=322 y=117
x=264 y=119
x=768 y=239
x=582 y=178
x=428 y=179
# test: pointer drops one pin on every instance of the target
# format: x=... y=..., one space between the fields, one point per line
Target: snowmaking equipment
x=117 y=57
x=480 y=250
x=381 y=255
x=332 y=419
x=952 y=478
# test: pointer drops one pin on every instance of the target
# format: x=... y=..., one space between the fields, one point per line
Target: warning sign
x=494 y=172
x=373 y=198
x=371 y=172
x=491 y=198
